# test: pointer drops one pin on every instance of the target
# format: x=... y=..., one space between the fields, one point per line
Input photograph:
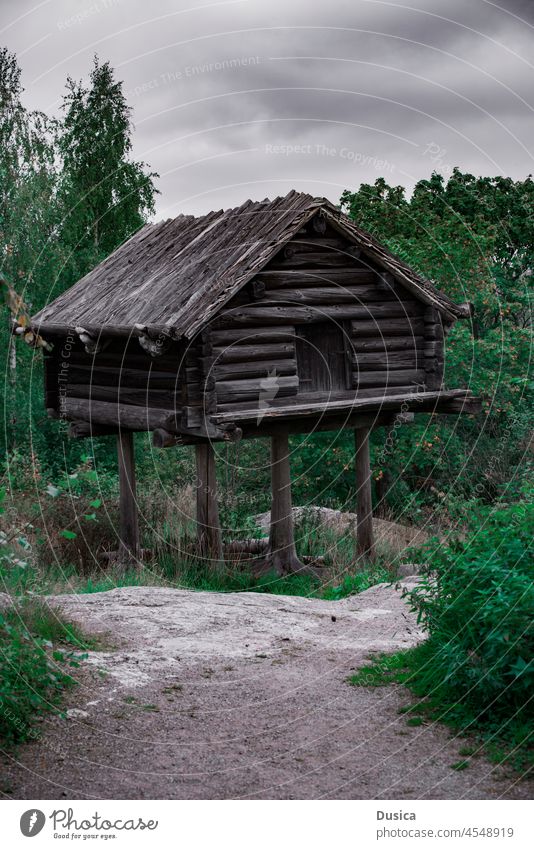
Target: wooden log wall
x=393 y=340
x=121 y=377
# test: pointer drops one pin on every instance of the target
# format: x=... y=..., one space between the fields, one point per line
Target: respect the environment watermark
x=189 y=72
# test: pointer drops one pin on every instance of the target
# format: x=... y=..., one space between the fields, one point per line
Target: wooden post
x=282 y=552
x=364 y=509
x=208 y=527
x=129 y=548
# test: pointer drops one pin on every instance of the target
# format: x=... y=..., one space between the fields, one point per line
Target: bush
x=33 y=669
x=476 y=604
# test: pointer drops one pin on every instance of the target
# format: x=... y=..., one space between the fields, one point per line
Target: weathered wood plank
x=124 y=395
x=254 y=388
x=259 y=335
x=314 y=258
x=134 y=418
x=388 y=360
x=252 y=315
x=324 y=294
x=386 y=344
x=301 y=278
x=371 y=328
x=127 y=377
x=389 y=378
x=352 y=404
x=245 y=353
x=254 y=368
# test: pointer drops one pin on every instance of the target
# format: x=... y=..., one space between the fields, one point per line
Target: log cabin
x=277 y=317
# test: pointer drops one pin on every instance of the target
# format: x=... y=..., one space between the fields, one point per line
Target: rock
x=409 y=570
x=76 y=713
x=389 y=535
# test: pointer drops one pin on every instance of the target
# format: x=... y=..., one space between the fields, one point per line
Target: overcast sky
x=250 y=98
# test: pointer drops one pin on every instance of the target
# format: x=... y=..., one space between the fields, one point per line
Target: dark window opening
x=323 y=363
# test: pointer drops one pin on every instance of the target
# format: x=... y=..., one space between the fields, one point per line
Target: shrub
x=36 y=651
x=476 y=604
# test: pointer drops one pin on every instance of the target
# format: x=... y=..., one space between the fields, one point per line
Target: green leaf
x=68 y=534
x=96 y=503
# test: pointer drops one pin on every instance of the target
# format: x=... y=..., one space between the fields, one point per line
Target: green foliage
x=474 y=237
x=69 y=194
x=476 y=605
x=37 y=651
x=475 y=671
x=104 y=195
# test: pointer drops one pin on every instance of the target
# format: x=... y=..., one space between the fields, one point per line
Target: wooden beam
x=282 y=554
x=129 y=548
x=85 y=430
x=365 y=545
x=129 y=416
x=251 y=315
x=381 y=402
x=208 y=526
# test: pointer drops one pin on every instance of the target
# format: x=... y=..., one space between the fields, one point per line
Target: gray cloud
x=247 y=99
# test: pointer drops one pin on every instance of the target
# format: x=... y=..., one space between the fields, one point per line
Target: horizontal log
x=381 y=328
x=162 y=438
x=393 y=343
x=388 y=378
x=250 y=545
x=305 y=277
x=125 y=360
x=166 y=400
x=388 y=360
x=193 y=423
x=304 y=315
x=353 y=404
x=329 y=295
x=116 y=415
x=311 y=259
x=112 y=376
x=245 y=390
x=311 y=245
x=252 y=336
x=85 y=430
x=321 y=398
x=254 y=368
x=244 y=353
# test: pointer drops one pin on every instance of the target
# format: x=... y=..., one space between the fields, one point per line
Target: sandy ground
x=209 y=695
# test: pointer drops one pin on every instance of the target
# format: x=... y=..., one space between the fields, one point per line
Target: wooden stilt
x=364 y=509
x=208 y=527
x=282 y=554
x=129 y=548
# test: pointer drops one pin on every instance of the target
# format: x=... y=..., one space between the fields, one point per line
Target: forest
x=70 y=193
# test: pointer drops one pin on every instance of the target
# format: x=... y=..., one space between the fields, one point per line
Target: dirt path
x=211 y=695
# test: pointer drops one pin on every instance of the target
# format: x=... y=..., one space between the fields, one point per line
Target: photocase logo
x=32 y=822
x=269 y=388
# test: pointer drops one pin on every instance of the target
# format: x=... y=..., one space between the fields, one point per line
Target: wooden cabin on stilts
x=275 y=318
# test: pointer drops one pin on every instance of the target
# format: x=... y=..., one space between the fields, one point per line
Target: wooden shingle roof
x=174 y=276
